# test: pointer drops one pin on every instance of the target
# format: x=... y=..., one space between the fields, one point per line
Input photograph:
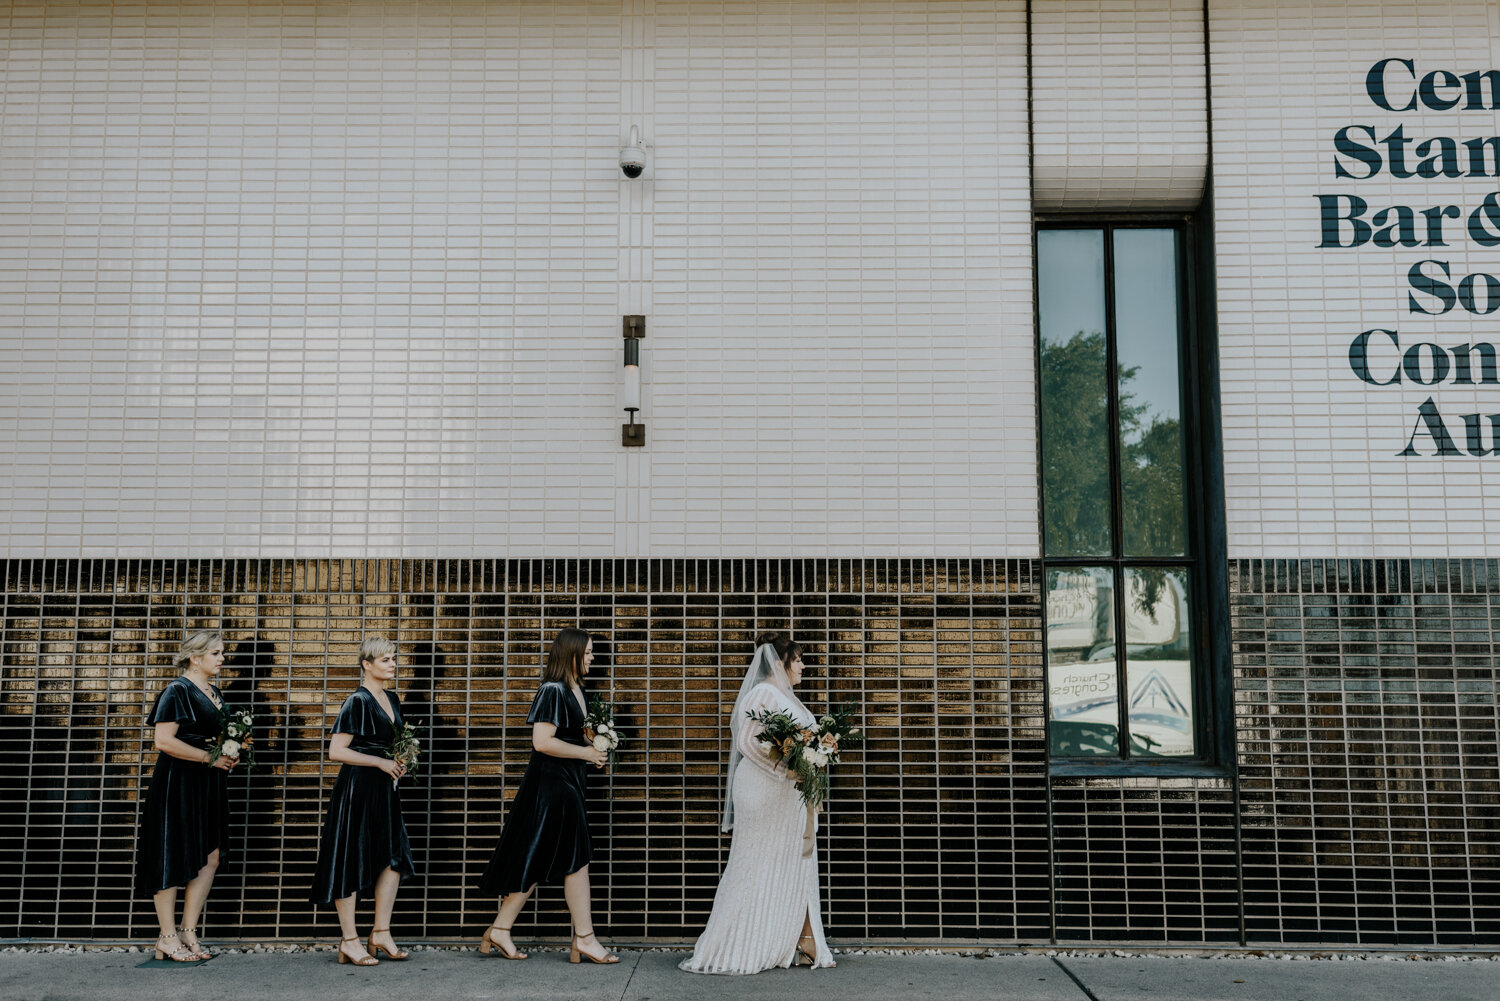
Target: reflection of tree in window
x=1075 y=451
x=1075 y=416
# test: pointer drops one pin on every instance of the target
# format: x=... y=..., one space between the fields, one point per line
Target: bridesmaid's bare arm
x=167 y=742
x=544 y=738
x=338 y=750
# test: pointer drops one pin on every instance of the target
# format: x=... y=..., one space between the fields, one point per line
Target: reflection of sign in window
x=1083 y=690
x=1160 y=721
x=1151 y=624
x=1154 y=699
x=1073 y=611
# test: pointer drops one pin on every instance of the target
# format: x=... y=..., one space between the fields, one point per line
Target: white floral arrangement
x=235 y=739
x=599 y=727
x=807 y=752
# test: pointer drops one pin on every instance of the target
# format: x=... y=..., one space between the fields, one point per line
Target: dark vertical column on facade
x=936 y=830
x=1366 y=702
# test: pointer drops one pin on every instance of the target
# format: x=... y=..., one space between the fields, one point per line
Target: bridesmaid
x=185 y=825
x=364 y=838
x=546 y=835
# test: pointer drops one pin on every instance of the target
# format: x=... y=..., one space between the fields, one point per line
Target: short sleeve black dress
x=186 y=816
x=546 y=834
x=365 y=833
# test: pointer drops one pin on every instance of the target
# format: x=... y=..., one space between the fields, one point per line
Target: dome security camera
x=633 y=156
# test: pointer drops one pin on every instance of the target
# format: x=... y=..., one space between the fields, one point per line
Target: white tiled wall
x=347 y=278
x=1120 y=104
x=1311 y=451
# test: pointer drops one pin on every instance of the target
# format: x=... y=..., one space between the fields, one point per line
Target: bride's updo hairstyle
x=786 y=650
x=199 y=642
x=565 y=659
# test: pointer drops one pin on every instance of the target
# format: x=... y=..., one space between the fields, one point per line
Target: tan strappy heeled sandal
x=371 y=946
x=344 y=957
x=574 y=952
x=488 y=942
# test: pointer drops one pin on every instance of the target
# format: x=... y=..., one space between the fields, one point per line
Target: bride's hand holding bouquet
x=808 y=753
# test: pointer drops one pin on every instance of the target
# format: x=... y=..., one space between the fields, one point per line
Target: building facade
x=978 y=338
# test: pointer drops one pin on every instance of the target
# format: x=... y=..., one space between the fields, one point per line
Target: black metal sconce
x=633 y=433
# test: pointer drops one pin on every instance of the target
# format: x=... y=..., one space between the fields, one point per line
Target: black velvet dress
x=365 y=833
x=546 y=834
x=186 y=816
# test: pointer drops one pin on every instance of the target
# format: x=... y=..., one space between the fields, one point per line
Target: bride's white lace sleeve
x=761 y=697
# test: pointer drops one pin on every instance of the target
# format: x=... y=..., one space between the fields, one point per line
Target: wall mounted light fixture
x=633 y=433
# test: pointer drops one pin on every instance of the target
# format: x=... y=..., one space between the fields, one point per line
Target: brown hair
x=565 y=659
x=786 y=650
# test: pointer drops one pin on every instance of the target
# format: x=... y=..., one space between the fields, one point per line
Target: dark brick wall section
x=1365 y=703
x=937 y=830
x=1365 y=809
x=1145 y=860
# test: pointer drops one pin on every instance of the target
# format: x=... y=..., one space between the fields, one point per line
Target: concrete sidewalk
x=444 y=974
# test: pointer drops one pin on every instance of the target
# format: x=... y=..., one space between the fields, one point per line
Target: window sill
x=1074 y=768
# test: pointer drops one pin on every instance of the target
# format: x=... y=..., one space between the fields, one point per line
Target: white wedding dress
x=768 y=888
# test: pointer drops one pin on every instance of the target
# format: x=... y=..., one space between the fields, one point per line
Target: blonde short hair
x=197 y=643
x=373 y=648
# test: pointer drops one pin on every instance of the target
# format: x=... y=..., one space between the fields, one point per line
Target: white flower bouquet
x=235 y=739
x=599 y=727
x=807 y=752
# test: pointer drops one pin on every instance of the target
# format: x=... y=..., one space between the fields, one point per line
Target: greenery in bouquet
x=406 y=747
x=599 y=727
x=808 y=752
x=235 y=739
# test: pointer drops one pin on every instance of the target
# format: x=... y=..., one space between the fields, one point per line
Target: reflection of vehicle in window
x=1158 y=664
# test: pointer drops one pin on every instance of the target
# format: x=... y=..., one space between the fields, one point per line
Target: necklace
x=208 y=692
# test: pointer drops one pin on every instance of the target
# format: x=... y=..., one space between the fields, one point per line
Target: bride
x=766 y=909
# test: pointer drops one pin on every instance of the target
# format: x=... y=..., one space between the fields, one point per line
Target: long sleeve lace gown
x=768 y=888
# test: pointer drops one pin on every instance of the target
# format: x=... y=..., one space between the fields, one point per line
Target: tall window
x=1122 y=572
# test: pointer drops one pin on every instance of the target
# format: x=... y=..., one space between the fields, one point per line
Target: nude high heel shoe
x=604 y=958
x=374 y=948
x=189 y=937
x=344 y=957
x=178 y=953
x=488 y=943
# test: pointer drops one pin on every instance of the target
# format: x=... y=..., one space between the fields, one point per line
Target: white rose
x=764 y=745
x=601 y=742
x=815 y=758
x=606 y=728
x=231 y=749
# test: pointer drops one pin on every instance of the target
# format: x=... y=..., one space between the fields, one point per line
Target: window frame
x=1202 y=463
